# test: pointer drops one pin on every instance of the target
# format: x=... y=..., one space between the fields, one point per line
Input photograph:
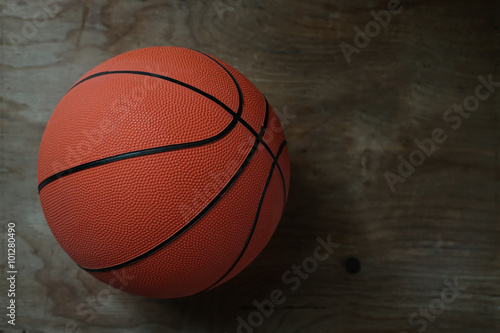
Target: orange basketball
x=163 y=172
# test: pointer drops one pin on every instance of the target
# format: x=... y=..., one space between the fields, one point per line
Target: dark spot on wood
x=352 y=265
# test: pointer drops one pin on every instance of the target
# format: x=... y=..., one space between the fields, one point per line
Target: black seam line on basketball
x=254 y=225
x=167 y=78
x=193 y=221
x=162 y=149
x=242 y=121
x=124 y=156
x=137 y=153
x=251 y=231
x=282 y=146
x=250 y=128
x=225 y=69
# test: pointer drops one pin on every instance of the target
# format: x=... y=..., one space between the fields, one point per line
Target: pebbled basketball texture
x=163 y=172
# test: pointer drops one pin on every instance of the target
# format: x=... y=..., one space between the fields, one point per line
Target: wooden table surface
x=349 y=125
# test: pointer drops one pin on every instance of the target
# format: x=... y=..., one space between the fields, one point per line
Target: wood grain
x=351 y=122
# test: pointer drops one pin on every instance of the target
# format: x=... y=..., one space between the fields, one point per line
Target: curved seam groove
x=237 y=117
x=161 y=149
x=254 y=225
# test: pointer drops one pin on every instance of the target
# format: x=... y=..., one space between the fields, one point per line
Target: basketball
x=163 y=172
